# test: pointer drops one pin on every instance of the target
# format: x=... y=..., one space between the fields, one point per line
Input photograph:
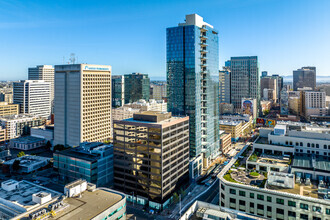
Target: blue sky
x=130 y=35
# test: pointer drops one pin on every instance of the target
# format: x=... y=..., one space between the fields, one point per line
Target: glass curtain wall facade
x=192 y=61
x=244 y=80
x=118 y=91
x=137 y=86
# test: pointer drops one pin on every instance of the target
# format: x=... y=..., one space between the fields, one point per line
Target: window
x=241 y=202
x=222 y=187
x=292 y=203
x=313 y=145
x=303 y=216
x=301 y=144
x=269 y=208
x=291 y=214
x=280 y=211
x=260 y=197
x=308 y=145
x=290 y=142
x=316 y=209
x=252 y=195
x=259 y=206
x=316 y=218
x=317 y=146
x=303 y=206
x=287 y=143
x=327 y=211
x=280 y=201
x=242 y=193
x=251 y=205
x=232 y=200
x=325 y=146
x=269 y=199
x=233 y=191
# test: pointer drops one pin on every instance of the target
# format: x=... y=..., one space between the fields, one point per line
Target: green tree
x=16 y=165
x=59 y=147
x=21 y=154
x=175 y=198
x=48 y=145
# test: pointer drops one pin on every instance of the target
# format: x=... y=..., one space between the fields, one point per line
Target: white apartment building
x=82 y=104
x=314 y=103
x=33 y=96
x=43 y=72
x=152 y=105
x=17 y=125
x=285 y=175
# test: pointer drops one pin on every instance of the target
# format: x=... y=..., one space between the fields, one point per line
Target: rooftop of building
x=86 y=151
x=6 y=104
x=319 y=163
x=270 y=159
x=229 y=122
x=89 y=204
x=27 y=160
x=22 y=194
x=19 y=116
x=278 y=181
x=153 y=117
x=27 y=140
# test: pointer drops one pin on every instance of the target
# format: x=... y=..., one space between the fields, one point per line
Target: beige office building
x=8 y=109
x=82 y=103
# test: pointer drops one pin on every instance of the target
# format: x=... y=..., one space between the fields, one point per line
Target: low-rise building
x=4 y=153
x=45 y=132
x=8 y=109
x=17 y=125
x=2 y=135
x=90 y=161
x=225 y=142
x=232 y=127
x=226 y=108
x=237 y=125
x=123 y=112
x=26 y=200
x=27 y=164
x=27 y=143
x=283 y=176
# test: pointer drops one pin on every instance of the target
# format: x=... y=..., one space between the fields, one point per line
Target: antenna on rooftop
x=72 y=58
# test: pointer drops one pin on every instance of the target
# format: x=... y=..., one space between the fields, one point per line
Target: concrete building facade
x=304 y=77
x=82 y=104
x=8 y=109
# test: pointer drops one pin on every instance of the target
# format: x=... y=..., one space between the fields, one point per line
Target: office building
x=280 y=83
x=244 y=80
x=27 y=143
x=192 y=77
x=224 y=85
x=226 y=108
x=44 y=132
x=33 y=96
x=17 y=125
x=284 y=102
x=2 y=135
x=45 y=73
x=238 y=125
x=271 y=86
x=123 y=112
x=151 y=157
x=225 y=142
x=6 y=95
x=118 y=91
x=137 y=86
x=158 y=90
x=8 y=109
x=304 y=77
x=90 y=161
x=81 y=200
x=314 y=103
x=27 y=164
x=264 y=74
x=82 y=104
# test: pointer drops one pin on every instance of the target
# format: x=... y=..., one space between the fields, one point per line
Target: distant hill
x=319 y=79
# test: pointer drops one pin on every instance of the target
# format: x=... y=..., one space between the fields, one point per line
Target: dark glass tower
x=137 y=86
x=192 y=79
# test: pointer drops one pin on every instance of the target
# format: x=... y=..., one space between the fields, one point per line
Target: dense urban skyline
x=287 y=37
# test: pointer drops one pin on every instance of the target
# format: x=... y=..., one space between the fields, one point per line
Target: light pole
x=180 y=205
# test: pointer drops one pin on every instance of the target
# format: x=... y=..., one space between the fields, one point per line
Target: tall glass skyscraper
x=192 y=79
